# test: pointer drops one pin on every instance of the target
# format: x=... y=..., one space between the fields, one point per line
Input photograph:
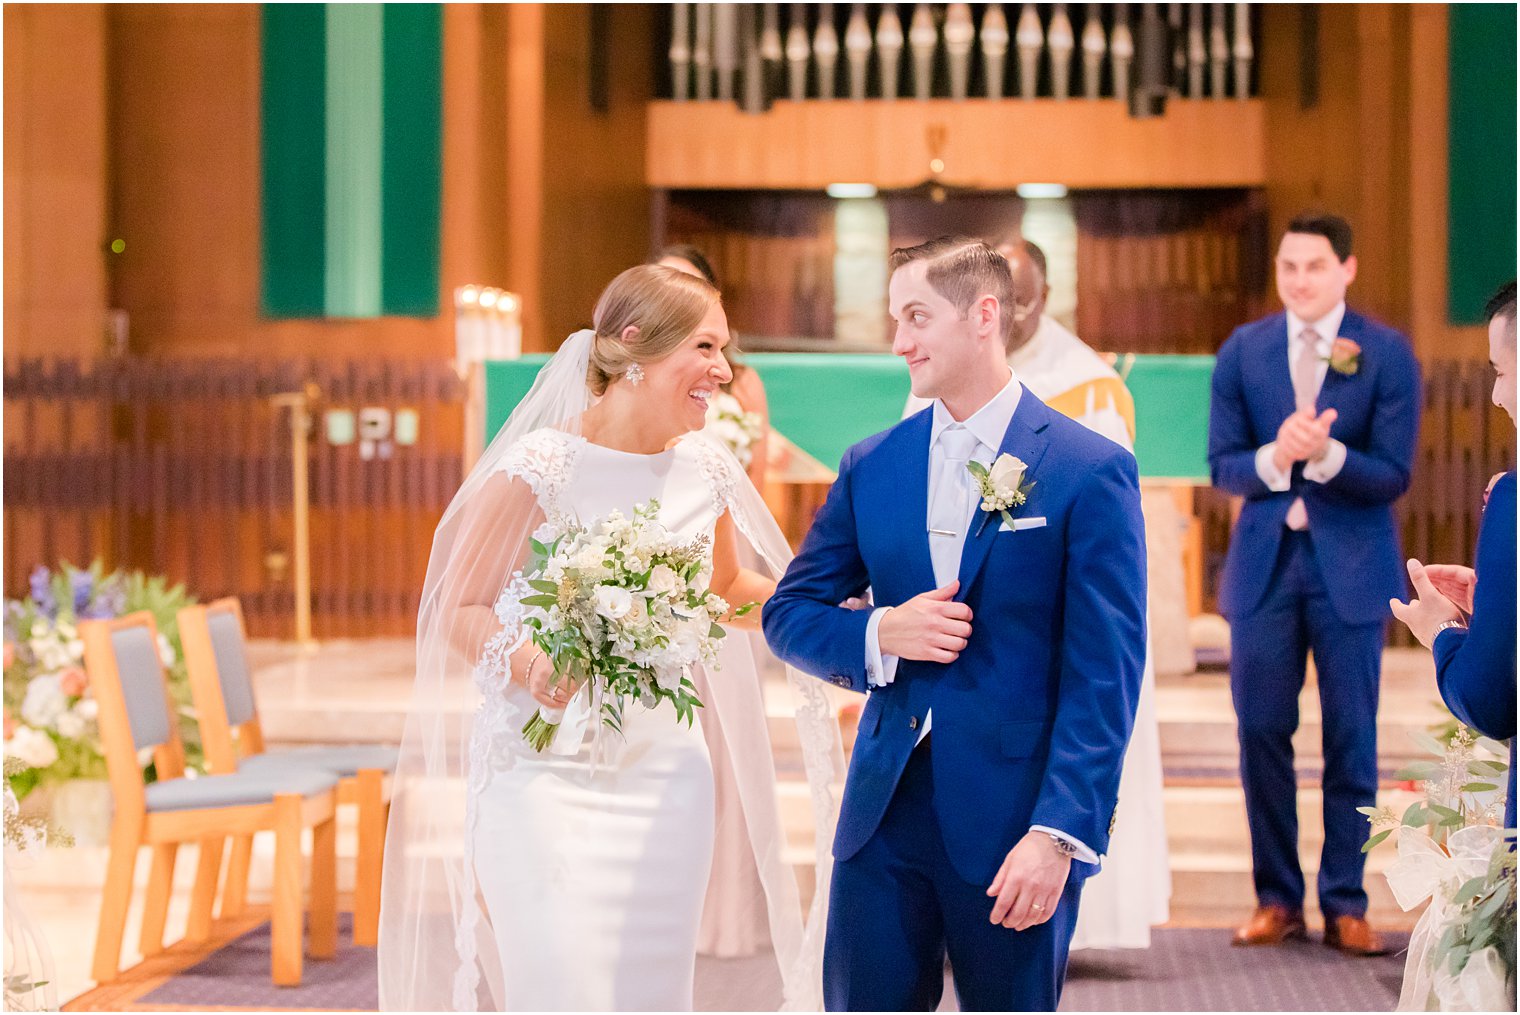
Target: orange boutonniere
x=1345 y=357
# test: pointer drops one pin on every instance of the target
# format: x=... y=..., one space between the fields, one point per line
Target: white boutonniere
x=1001 y=487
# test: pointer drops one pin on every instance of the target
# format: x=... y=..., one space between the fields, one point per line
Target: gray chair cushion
x=142 y=685
x=231 y=666
x=337 y=760
x=236 y=789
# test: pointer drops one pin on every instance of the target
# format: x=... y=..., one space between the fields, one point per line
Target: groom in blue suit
x=1005 y=551
x=1313 y=420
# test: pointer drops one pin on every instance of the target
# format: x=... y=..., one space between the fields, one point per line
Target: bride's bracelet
x=528 y=673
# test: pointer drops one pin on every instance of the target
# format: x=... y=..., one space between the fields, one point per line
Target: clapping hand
x=930 y=627
x=1455 y=582
x=1428 y=610
x=1303 y=436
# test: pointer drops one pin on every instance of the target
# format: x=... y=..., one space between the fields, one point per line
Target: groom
x=1019 y=645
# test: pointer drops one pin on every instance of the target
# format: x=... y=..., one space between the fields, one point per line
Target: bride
x=575 y=878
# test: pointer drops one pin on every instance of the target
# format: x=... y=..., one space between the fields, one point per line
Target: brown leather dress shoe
x=1271 y=925
x=1354 y=936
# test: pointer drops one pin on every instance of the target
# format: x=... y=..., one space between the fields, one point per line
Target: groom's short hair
x=963 y=270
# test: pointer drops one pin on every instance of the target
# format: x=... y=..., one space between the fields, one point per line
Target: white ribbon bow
x=1426 y=871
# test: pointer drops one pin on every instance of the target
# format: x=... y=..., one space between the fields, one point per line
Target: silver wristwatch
x=1063 y=847
x=1447 y=625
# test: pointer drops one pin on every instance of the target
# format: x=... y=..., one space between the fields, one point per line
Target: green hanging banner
x=1480 y=246
x=352 y=159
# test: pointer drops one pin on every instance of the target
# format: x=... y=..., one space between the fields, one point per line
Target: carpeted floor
x=1184 y=970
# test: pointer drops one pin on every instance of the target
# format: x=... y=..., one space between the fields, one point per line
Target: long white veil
x=437 y=949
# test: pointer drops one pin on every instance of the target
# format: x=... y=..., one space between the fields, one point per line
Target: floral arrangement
x=1000 y=487
x=27 y=955
x=622 y=612
x=1453 y=852
x=727 y=420
x=50 y=714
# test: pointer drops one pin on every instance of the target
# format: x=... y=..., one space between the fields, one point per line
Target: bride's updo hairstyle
x=664 y=304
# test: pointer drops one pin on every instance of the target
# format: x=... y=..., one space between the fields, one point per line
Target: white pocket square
x=1037 y=522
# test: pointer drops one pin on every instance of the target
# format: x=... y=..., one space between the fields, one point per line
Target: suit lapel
x=1278 y=373
x=910 y=453
x=1026 y=440
x=1337 y=385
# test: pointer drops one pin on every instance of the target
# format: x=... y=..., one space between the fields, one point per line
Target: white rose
x=44 y=701
x=1006 y=475
x=689 y=638
x=590 y=559
x=70 y=725
x=31 y=747
x=664 y=580
x=703 y=577
x=669 y=677
x=613 y=602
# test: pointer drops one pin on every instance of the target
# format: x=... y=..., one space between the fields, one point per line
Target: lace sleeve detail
x=724 y=476
x=545 y=460
x=720 y=468
x=495 y=667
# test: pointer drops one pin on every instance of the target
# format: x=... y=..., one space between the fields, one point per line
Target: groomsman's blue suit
x=1326 y=589
x=1030 y=723
x=1475 y=668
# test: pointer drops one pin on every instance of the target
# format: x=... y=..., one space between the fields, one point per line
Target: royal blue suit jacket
x=1032 y=720
x=1351 y=519
x=1475 y=668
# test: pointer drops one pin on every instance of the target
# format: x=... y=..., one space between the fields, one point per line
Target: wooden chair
x=136 y=713
x=222 y=686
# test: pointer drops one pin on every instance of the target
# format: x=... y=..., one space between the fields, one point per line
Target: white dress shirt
x=1328 y=467
x=988 y=424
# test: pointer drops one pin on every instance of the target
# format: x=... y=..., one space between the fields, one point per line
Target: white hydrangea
x=70 y=725
x=32 y=747
x=44 y=701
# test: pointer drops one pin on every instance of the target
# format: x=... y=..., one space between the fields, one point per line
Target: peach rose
x=1345 y=356
x=73 y=680
x=10 y=654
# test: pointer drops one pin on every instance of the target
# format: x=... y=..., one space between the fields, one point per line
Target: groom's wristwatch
x=1446 y=626
x=1065 y=848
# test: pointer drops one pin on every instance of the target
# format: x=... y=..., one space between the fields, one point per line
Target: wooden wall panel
x=988 y=144
x=1427 y=118
x=1348 y=152
x=595 y=201
x=55 y=179
x=184 y=128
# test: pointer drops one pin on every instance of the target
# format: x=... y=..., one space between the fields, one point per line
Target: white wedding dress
x=578 y=878
x=593 y=870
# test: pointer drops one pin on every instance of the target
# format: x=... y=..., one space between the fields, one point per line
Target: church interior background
x=273 y=273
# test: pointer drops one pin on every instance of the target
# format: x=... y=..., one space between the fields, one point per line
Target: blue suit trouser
x=897 y=906
x=1268 y=653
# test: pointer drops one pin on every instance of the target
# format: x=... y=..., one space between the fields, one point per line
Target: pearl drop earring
x=635 y=374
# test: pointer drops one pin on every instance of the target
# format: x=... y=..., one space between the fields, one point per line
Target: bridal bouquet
x=621 y=607
x=1452 y=852
x=727 y=420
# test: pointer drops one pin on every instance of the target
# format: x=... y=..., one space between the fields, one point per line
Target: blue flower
x=110 y=601
x=83 y=585
x=42 y=592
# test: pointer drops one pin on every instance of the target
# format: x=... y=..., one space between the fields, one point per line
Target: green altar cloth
x=824 y=402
